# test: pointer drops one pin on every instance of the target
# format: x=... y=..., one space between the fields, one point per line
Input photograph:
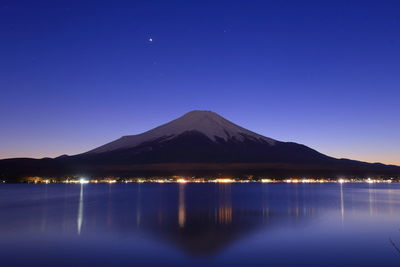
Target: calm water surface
x=199 y=225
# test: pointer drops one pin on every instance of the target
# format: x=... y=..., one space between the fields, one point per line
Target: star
x=150 y=39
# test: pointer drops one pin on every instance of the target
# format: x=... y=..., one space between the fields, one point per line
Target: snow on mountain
x=208 y=123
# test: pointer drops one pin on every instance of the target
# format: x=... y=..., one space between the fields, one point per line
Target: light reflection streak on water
x=370 y=199
x=44 y=212
x=265 y=209
x=109 y=206
x=224 y=215
x=139 y=206
x=390 y=200
x=181 y=208
x=80 y=211
x=341 y=203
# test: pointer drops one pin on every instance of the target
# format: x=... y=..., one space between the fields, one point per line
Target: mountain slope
x=200 y=136
x=208 y=123
x=194 y=146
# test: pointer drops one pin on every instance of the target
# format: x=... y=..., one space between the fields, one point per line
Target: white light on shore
x=341 y=181
x=224 y=180
x=83 y=181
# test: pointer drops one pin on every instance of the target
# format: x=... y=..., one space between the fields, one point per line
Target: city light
x=266 y=180
x=224 y=180
x=180 y=179
x=83 y=181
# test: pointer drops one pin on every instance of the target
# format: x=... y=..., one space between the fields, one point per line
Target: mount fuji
x=201 y=136
x=206 y=123
x=197 y=143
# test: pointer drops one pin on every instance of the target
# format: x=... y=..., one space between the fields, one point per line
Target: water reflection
x=371 y=198
x=224 y=209
x=181 y=208
x=44 y=211
x=205 y=220
x=80 y=210
x=341 y=202
x=139 y=206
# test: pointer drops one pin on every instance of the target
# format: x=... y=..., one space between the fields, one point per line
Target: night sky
x=77 y=74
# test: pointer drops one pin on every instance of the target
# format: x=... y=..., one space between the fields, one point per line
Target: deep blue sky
x=77 y=74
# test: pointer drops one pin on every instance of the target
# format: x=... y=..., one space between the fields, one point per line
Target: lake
x=199 y=224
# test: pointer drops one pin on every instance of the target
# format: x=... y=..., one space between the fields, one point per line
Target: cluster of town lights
x=183 y=180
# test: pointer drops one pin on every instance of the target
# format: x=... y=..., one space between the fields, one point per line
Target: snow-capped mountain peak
x=207 y=123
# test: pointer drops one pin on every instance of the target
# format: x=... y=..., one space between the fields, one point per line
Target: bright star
x=150 y=39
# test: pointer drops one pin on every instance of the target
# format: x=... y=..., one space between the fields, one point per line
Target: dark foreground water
x=199 y=225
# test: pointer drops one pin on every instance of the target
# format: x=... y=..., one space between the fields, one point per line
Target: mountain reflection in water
x=199 y=224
